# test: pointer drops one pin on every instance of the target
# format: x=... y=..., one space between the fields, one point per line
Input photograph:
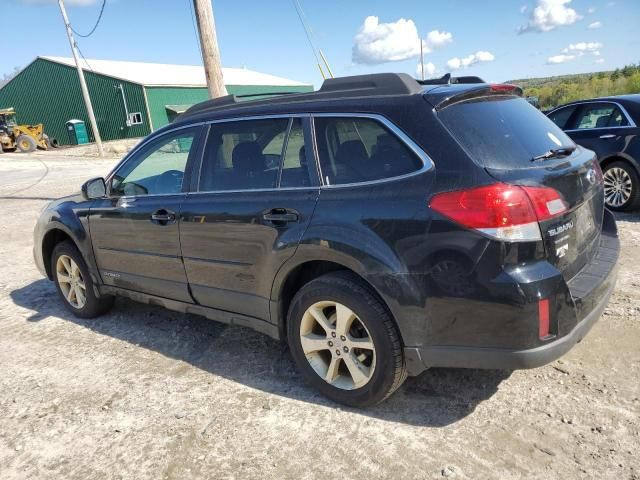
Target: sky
x=497 y=40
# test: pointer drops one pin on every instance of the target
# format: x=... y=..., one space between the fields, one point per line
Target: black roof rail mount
x=447 y=79
x=373 y=84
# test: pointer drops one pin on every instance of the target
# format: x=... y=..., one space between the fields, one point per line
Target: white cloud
x=523 y=9
x=591 y=10
x=596 y=53
x=378 y=42
x=583 y=47
x=560 y=59
x=456 y=63
x=436 y=39
x=594 y=25
x=430 y=70
x=599 y=60
x=70 y=3
x=549 y=15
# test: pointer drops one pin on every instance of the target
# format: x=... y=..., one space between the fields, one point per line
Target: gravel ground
x=146 y=393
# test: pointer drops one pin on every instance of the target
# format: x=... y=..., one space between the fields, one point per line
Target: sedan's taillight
x=505 y=212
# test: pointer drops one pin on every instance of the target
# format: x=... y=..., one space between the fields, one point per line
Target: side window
x=158 y=168
x=561 y=116
x=296 y=170
x=243 y=155
x=355 y=150
x=600 y=115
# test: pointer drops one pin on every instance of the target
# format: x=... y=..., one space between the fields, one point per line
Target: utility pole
x=422 y=59
x=83 y=83
x=209 y=48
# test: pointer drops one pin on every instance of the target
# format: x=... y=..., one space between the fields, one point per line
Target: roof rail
x=374 y=84
x=213 y=103
x=447 y=79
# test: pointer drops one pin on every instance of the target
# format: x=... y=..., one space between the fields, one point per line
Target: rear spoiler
x=443 y=97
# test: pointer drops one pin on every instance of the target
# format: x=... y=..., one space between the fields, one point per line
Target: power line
x=296 y=5
x=104 y=3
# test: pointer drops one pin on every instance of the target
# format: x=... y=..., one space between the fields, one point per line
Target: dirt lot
x=148 y=394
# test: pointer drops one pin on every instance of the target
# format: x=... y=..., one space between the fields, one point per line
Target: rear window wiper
x=554 y=153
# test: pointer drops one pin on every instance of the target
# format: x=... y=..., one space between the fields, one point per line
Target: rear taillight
x=505 y=212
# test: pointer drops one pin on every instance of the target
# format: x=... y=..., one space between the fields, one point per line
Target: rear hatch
x=518 y=145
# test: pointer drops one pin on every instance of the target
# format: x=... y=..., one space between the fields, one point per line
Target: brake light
x=505 y=212
x=505 y=88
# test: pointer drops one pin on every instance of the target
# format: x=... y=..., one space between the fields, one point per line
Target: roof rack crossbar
x=447 y=79
x=374 y=84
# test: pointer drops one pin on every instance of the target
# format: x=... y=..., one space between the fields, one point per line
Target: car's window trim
x=427 y=163
x=624 y=111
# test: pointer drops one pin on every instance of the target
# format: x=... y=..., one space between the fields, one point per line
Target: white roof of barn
x=173 y=75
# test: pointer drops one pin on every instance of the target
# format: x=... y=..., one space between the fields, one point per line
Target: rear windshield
x=502 y=132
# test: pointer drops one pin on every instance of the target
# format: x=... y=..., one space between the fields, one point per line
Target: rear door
x=599 y=126
x=257 y=191
x=507 y=136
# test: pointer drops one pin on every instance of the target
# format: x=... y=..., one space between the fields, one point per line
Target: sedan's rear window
x=502 y=132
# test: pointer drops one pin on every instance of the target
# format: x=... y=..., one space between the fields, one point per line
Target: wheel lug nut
x=343 y=338
x=330 y=343
x=333 y=334
x=346 y=349
x=338 y=352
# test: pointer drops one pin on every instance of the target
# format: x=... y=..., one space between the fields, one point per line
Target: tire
x=619 y=177
x=380 y=370
x=92 y=306
x=50 y=142
x=25 y=144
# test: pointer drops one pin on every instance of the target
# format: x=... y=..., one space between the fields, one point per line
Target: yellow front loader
x=24 y=138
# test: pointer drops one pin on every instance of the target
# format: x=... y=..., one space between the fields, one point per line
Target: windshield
x=503 y=132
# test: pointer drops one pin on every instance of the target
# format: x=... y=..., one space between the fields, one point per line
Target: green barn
x=130 y=99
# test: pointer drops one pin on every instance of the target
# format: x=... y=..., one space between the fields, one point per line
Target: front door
x=134 y=230
x=257 y=191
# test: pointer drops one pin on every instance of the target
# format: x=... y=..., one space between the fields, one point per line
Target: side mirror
x=94 y=188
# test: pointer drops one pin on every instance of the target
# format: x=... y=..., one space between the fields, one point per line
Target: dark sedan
x=608 y=126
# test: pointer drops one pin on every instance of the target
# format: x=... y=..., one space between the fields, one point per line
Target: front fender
x=72 y=219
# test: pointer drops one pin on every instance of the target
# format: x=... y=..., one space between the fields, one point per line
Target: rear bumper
x=590 y=291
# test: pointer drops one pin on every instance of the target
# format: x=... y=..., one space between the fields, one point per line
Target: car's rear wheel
x=73 y=282
x=621 y=186
x=344 y=341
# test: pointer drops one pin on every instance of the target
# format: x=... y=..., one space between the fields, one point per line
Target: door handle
x=163 y=217
x=607 y=136
x=280 y=216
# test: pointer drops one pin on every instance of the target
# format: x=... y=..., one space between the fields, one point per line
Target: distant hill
x=553 y=91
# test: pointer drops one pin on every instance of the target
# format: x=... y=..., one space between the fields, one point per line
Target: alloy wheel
x=617 y=187
x=337 y=345
x=71 y=281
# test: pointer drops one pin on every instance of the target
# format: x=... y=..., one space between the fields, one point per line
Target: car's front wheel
x=621 y=186
x=344 y=341
x=73 y=282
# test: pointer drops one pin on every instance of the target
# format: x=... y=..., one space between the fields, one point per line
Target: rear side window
x=502 y=132
x=243 y=155
x=353 y=150
x=600 y=115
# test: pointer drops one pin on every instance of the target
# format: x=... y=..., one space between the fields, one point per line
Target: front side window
x=353 y=150
x=561 y=116
x=601 y=115
x=243 y=155
x=158 y=168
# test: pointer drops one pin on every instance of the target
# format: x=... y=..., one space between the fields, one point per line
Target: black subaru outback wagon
x=380 y=225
